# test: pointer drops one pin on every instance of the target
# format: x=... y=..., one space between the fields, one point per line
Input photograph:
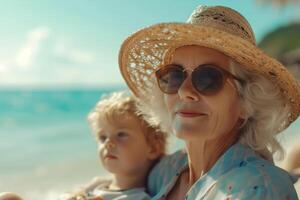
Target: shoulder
x=255 y=178
x=177 y=158
x=170 y=164
x=165 y=170
x=137 y=194
x=134 y=193
x=86 y=189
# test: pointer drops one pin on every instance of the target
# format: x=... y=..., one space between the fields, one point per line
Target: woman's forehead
x=197 y=55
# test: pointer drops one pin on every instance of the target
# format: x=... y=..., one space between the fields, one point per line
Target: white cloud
x=29 y=50
x=3 y=67
x=43 y=60
x=73 y=55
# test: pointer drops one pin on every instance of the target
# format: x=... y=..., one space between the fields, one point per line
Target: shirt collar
x=237 y=155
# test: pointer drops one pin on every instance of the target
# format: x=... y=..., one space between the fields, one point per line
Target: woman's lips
x=189 y=114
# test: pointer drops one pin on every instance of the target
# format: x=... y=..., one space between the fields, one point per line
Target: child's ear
x=154 y=151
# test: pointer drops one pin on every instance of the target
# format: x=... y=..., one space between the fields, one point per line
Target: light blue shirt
x=238 y=174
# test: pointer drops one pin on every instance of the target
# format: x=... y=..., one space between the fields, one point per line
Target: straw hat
x=219 y=28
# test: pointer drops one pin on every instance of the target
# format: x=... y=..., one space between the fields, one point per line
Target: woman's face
x=200 y=117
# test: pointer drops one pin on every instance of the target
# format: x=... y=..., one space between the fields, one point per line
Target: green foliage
x=282 y=40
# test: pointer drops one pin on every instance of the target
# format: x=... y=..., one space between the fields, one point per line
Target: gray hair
x=266 y=113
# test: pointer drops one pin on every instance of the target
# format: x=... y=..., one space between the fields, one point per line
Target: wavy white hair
x=266 y=112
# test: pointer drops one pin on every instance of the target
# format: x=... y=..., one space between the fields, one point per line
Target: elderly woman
x=208 y=83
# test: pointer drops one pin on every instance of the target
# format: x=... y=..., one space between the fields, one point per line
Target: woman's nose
x=187 y=91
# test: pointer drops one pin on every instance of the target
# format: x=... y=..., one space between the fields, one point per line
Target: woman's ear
x=242 y=117
x=243 y=112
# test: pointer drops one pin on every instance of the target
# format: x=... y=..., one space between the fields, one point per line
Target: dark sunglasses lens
x=170 y=79
x=207 y=80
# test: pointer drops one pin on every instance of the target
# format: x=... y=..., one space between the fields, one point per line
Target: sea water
x=46 y=146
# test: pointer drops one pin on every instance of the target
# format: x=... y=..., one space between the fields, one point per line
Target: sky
x=75 y=44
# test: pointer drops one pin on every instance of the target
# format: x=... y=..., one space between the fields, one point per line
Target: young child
x=128 y=147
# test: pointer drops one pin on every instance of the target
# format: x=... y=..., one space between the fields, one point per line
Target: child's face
x=122 y=146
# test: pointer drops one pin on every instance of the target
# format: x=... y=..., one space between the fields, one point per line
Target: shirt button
x=243 y=163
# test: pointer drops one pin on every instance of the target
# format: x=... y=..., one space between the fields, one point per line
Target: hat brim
x=148 y=49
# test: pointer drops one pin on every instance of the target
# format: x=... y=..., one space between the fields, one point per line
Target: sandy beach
x=289 y=139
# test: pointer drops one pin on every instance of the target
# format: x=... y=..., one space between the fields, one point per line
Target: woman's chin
x=189 y=134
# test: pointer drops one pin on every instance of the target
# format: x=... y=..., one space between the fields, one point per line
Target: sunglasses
x=207 y=79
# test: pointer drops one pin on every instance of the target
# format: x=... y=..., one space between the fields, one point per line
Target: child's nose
x=110 y=144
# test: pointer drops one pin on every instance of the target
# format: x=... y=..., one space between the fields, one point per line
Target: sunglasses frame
x=225 y=75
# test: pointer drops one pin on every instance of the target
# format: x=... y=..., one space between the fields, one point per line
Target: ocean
x=46 y=144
